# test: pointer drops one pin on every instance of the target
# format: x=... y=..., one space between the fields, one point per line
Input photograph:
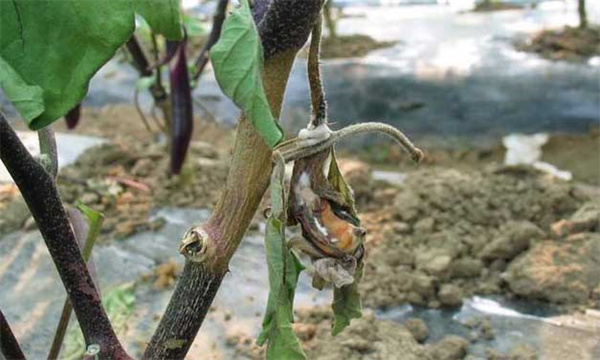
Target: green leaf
x=51 y=49
x=146 y=82
x=59 y=45
x=346 y=304
x=237 y=60
x=163 y=16
x=284 y=270
x=26 y=98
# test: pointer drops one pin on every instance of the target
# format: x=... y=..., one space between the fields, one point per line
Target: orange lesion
x=340 y=233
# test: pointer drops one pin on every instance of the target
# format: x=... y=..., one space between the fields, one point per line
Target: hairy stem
x=39 y=191
x=293 y=150
x=9 y=346
x=284 y=27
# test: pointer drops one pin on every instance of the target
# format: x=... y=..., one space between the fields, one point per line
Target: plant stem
x=9 y=346
x=86 y=238
x=215 y=34
x=40 y=193
x=140 y=62
x=47 y=142
x=317 y=97
x=284 y=27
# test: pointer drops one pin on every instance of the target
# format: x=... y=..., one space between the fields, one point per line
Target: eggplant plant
x=45 y=74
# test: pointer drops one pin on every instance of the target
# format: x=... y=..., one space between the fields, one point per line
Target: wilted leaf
x=237 y=59
x=346 y=304
x=57 y=46
x=163 y=16
x=284 y=269
x=336 y=179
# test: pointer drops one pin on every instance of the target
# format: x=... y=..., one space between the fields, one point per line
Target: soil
x=490 y=5
x=570 y=44
x=127 y=180
x=348 y=46
x=447 y=234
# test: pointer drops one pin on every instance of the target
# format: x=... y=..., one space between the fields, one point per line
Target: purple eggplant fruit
x=181 y=106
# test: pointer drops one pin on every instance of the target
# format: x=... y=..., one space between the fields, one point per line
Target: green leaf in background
x=163 y=16
x=119 y=304
x=284 y=269
x=346 y=304
x=237 y=59
x=26 y=98
x=57 y=46
x=194 y=26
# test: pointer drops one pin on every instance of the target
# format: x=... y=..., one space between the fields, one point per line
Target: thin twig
x=215 y=34
x=39 y=192
x=9 y=346
x=136 y=102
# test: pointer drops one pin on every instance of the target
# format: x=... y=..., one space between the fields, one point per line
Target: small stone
x=450 y=295
x=466 y=268
x=515 y=237
x=523 y=352
x=433 y=262
x=426 y=225
x=451 y=347
x=401 y=228
x=417 y=328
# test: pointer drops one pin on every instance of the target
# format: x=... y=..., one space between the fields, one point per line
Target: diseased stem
x=40 y=193
x=317 y=97
x=9 y=346
x=284 y=27
x=294 y=149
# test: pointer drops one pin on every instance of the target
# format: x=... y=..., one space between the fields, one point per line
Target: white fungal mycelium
x=304 y=194
x=321 y=228
x=314 y=135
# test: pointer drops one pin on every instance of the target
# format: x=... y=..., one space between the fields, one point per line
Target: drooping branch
x=9 y=346
x=284 y=27
x=215 y=34
x=39 y=191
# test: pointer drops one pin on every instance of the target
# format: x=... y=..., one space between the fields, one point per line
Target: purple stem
x=39 y=192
